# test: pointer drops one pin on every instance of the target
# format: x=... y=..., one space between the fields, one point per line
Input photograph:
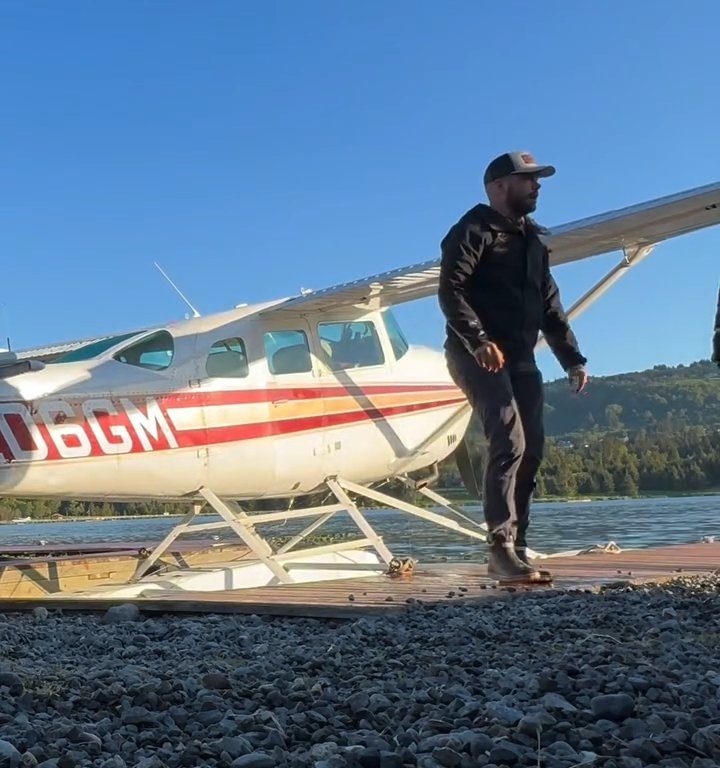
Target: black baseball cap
x=514 y=163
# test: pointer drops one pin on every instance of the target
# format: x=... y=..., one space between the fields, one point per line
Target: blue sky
x=254 y=148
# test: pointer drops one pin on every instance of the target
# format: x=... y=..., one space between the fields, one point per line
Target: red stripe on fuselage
x=216 y=435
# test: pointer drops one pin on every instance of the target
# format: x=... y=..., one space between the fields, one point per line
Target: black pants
x=510 y=407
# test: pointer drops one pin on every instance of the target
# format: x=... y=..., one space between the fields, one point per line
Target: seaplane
x=319 y=392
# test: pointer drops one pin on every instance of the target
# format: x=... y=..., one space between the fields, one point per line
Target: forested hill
x=660 y=398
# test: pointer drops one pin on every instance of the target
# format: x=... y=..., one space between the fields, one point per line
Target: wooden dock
x=35 y=571
x=430 y=584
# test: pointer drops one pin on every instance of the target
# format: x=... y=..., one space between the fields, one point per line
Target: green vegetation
x=656 y=431
x=53 y=509
x=661 y=399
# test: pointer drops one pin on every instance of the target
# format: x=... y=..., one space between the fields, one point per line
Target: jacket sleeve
x=462 y=250
x=716 y=334
x=555 y=325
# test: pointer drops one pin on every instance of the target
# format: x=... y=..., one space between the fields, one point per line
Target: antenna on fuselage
x=180 y=293
x=6 y=326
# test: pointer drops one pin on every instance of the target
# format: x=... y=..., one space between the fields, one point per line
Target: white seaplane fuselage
x=206 y=403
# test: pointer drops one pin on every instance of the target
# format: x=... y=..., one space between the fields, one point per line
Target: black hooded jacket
x=495 y=285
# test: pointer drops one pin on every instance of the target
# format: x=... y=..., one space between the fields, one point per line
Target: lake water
x=555 y=527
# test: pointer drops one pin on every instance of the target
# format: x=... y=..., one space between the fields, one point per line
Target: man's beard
x=521 y=206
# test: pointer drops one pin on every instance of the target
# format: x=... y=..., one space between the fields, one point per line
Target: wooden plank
x=433 y=584
x=36 y=577
x=87 y=548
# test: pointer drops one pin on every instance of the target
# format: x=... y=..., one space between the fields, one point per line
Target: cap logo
x=528 y=159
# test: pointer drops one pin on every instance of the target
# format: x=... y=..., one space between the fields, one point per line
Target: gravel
x=628 y=677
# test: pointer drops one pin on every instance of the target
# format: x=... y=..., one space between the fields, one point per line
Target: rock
x=613 y=706
x=556 y=701
x=447 y=757
x=253 y=760
x=707 y=740
x=561 y=749
x=480 y=744
x=118 y=614
x=324 y=751
x=587 y=757
x=378 y=703
x=13 y=682
x=645 y=750
x=505 y=752
x=216 y=682
x=332 y=762
x=9 y=755
x=235 y=746
x=508 y=715
x=534 y=723
x=358 y=701
x=369 y=758
x=639 y=683
x=390 y=760
x=208 y=717
x=138 y=716
x=628 y=761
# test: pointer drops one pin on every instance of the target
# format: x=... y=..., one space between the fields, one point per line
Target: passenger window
x=227 y=360
x=350 y=345
x=287 y=352
x=154 y=352
x=398 y=342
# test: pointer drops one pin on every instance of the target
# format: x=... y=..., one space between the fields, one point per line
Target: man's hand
x=578 y=378
x=490 y=357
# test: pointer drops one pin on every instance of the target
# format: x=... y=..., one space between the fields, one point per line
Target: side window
x=350 y=345
x=287 y=352
x=227 y=359
x=397 y=338
x=154 y=352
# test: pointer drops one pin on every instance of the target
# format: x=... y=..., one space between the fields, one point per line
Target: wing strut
x=631 y=258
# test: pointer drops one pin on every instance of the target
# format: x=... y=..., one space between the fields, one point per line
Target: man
x=716 y=334
x=497 y=294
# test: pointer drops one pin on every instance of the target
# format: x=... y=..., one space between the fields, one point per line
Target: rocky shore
x=624 y=679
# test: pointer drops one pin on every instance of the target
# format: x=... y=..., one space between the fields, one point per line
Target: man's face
x=522 y=193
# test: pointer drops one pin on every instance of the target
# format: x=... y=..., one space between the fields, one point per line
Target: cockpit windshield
x=397 y=337
x=94 y=349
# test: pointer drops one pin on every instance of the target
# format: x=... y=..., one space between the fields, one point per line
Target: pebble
x=613 y=706
x=537 y=680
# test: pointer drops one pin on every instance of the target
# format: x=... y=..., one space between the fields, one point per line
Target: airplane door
x=356 y=442
x=295 y=405
x=229 y=385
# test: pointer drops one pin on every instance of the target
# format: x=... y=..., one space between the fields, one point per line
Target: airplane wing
x=50 y=352
x=627 y=228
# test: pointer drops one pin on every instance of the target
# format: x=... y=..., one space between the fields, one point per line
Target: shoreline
x=457 y=499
